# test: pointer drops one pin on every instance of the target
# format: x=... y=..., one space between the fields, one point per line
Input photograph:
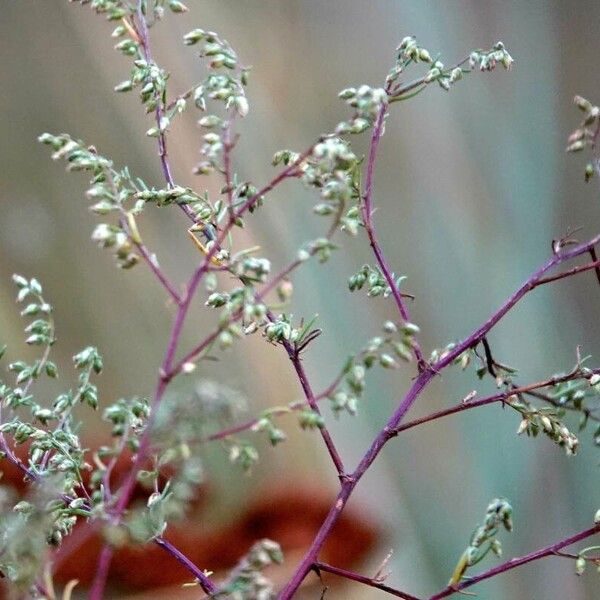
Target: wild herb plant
x=68 y=483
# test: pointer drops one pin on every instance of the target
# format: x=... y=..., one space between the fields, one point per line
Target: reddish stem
x=513 y=563
x=205 y=583
x=367 y=215
x=126 y=489
x=160 y=275
x=362 y=579
x=424 y=378
x=500 y=397
x=310 y=398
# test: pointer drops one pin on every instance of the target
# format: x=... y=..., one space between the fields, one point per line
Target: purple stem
x=424 y=378
x=500 y=397
x=367 y=215
x=362 y=579
x=206 y=342
x=294 y=356
x=223 y=433
x=513 y=563
x=125 y=491
x=169 y=287
x=142 y=30
x=97 y=589
x=205 y=583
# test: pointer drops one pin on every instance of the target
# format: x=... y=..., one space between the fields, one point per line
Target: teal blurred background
x=472 y=186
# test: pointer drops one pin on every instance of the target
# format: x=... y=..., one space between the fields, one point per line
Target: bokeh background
x=472 y=186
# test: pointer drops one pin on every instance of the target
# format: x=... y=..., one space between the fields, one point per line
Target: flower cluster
x=483 y=539
x=367 y=103
x=544 y=420
x=373 y=278
x=385 y=350
x=246 y=580
x=586 y=135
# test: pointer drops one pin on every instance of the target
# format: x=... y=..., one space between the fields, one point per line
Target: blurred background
x=472 y=186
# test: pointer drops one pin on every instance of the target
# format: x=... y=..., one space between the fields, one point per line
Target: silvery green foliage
x=547 y=421
x=409 y=52
x=116 y=193
x=246 y=581
x=26 y=529
x=42 y=440
x=374 y=280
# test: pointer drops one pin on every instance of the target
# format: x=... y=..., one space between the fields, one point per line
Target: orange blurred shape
x=290 y=516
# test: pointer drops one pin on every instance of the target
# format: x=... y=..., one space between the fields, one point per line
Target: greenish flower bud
x=303 y=255
x=216 y=300
x=193 y=37
x=276 y=436
x=124 y=86
x=576 y=146
x=241 y=105
x=43 y=415
x=177 y=7
x=23 y=507
x=210 y=121
x=212 y=138
x=225 y=340
x=390 y=327
x=424 y=55
x=347 y=93
x=387 y=361
x=309 y=419
x=153 y=132
x=582 y=103
x=456 y=74
x=410 y=329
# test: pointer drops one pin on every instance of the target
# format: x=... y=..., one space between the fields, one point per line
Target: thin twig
x=294 y=356
x=513 y=563
x=367 y=216
x=203 y=580
x=573 y=271
x=500 y=397
x=419 y=384
x=595 y=259
x=319 y=566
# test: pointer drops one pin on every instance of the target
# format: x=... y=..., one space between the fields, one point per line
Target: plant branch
x=318 y=567
x=142 y=31
x=579 y=269
x=419 y=384
x=400 y=92
x=158 y=272
x=367 y=217
x=136 y=240
x=197 y=350
x=126 y=489
x=203 y=580
x=294 y=356
x=513 y=563
x=500 y=397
